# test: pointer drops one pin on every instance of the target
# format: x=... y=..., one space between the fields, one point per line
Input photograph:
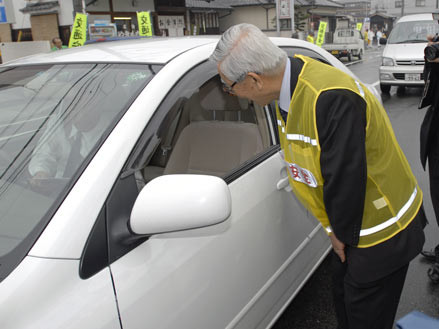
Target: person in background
x=344 y=165
x=295 y=34
x=429 y=139
x=379 y=35
x=310 y=37
x=57 y=44
x=371 y=36
x=63 y=146
x=366 y=38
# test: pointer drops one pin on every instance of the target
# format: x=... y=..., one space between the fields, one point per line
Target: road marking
x=376 y=83
x=351 y=63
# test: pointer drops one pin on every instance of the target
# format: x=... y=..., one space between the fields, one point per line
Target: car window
x=53 y=118
x=413 y=32
x=199 y=129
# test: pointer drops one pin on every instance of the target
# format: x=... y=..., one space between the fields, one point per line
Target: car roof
x=143 y=50
x=416 y=17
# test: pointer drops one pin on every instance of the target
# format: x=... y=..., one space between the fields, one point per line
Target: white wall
x=65 y=14
x=22 y=21
x=139 y=5
x=253 y=15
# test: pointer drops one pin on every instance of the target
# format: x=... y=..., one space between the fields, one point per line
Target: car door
x=237 y=274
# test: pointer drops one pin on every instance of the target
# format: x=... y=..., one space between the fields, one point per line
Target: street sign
x=321 y=33
x=144 y=21
x=79 y=31
x=284 y=9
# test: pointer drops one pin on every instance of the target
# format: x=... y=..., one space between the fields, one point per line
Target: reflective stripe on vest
x=297 y=137
x=306 y=139
x=388 y=222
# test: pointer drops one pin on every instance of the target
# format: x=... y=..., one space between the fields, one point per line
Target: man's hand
x=338 y=247
x=35 y=181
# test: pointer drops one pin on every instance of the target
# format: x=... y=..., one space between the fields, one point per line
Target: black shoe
x=429 y=254
x=433 y=273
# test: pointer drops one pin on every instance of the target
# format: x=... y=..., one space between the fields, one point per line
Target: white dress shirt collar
x=285 y=90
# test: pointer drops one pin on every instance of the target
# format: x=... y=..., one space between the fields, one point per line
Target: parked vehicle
x=175 y=213
x=403 y=56
x=347 y=43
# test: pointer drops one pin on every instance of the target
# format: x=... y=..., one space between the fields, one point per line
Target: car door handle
x=283 y=183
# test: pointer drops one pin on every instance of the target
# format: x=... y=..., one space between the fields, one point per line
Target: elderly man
x=345 y=166
x=57 y=44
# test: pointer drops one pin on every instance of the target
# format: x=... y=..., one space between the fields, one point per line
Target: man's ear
x=257 y=79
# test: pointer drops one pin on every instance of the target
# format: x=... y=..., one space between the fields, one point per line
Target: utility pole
x=293 y=28
x=402 y=8
x=83 y=6
x=277 y=18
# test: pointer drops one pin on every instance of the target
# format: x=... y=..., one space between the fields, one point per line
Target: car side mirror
x=173 y=203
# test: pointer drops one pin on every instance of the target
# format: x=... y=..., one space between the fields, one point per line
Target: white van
x=403 y=57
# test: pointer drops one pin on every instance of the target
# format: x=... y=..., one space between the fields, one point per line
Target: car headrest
x=213 y=98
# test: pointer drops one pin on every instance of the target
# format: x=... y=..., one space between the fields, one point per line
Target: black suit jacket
x=341 y=124
x=430 y=98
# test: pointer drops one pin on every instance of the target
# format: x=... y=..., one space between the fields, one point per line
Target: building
x=262 y=13
x=45 y=19
x=382 y=22
x=357 y=10
x=398 y=8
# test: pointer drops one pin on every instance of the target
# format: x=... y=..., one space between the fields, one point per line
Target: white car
x=403 y=57
x=134 y=193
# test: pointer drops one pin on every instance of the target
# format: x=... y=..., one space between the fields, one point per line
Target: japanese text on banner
x=79 y=31
x=144 y=21
x=321 y=34
x=359 y=26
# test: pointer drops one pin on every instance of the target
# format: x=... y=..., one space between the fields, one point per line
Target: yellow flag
x=321 y=34
x=144 y=21
x=79 y=31
x=359 y=26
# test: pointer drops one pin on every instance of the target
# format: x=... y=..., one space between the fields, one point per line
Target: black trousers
x=371 y=305
x=433 y=170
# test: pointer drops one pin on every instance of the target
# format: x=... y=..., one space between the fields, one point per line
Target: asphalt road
x=313 y=308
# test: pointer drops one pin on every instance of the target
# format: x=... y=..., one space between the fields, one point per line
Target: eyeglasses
x=228 y=89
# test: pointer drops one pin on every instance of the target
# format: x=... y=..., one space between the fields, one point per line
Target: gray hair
x=244 y=48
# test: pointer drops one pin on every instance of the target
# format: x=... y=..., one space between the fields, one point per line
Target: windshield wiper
x=413 y=41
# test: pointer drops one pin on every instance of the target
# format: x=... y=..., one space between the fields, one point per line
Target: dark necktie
x=75 y=156
x=284 y=115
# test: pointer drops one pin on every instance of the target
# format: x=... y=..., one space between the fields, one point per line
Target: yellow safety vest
x=310 y=39
x=393 y=196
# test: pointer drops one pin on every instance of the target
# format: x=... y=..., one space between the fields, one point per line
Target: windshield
x=52 y=120
x=413 y=32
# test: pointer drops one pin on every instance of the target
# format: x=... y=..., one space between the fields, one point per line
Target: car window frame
x=120 y=239
x=167 y=103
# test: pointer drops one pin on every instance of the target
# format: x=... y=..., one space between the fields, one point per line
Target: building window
x=285 y=24
x=420 y=3
x=398 y=4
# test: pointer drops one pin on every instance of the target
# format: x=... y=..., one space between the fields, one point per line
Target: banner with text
x=359 y=26
x=321 y=34
x=144 y=21
x=79 y=31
